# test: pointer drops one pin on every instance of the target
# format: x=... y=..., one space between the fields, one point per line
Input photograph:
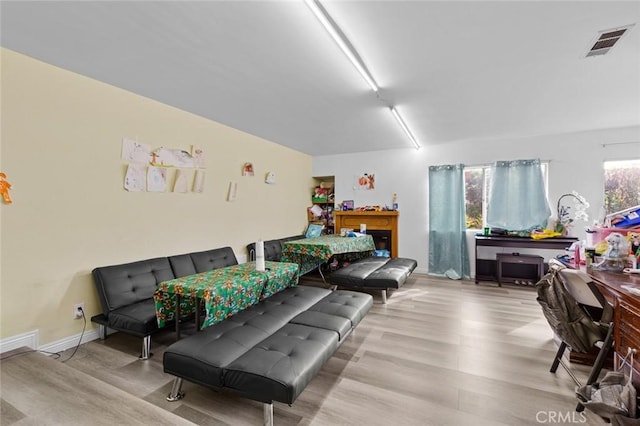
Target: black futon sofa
x=126 y=291
x=267 y=352
x=374 y=273
x=271 y=350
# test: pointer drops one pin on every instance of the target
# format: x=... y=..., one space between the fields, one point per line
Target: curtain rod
x=490 y=164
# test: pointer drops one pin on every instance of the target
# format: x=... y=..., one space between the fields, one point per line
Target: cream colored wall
x=61 y=146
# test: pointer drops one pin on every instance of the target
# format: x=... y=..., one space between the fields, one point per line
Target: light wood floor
x=440 y=352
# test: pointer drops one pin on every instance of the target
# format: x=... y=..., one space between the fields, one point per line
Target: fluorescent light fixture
x=347 y=48
x=339 y=38
x=396 y=114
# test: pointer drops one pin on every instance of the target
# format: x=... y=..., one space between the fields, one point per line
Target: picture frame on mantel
x=347 y=205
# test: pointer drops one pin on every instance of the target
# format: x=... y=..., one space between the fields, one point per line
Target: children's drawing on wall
x=233 y=191
x=365 y=181
x=148 y=169
x=198 y=182
x=181 y=184
x=156 y=179
x=171 y=157
x=135 y=152
x=134 y=179
x=199 y=158
x=247 y=169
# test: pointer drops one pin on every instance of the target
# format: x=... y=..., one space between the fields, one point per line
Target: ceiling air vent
x=605 y=40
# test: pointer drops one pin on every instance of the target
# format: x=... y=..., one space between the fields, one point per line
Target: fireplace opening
x=381 y=239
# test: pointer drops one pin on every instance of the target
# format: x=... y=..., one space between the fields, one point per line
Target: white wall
x=575 y=164
x=61 y=149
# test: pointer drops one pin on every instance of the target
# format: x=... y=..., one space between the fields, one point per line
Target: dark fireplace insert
x=381 y=239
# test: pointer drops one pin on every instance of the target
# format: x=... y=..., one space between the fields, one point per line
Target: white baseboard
x=28 y=339
x=70 y=342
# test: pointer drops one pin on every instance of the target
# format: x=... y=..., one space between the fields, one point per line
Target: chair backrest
x=213 y=259
x=202 y=261
x=579 y=285
x=272 y=248
x=123 y=285
x=182 y=265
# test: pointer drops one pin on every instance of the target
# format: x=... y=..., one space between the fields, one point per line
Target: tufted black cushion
x=374 y=273
x=340 y=311
x=202 y=261
x=124 y=285
x=213 y=259
x=272 y=350
x=138 y=318
x=281 y=366
x=340 y=325
x=354 y=274
x=201 y=358
x=391 y=275
x=182 y=265
x=403 y=262
x=272 y=248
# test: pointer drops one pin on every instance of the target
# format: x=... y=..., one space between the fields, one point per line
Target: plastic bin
x=602 y=233
x=631 y=218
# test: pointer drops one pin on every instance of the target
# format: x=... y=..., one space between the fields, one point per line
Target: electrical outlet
x=78 y=310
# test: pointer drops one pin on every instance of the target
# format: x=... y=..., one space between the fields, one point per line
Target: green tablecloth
x=309 y=253
x=225 y=291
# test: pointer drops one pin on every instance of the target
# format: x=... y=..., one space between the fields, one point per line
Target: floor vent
x=605 y=40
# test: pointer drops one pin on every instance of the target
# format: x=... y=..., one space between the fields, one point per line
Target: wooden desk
x=521 y=242
x=626 y=308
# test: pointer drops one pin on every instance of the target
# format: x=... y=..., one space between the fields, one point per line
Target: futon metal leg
x=177 y=317
x=556 y=360
x=384 y=296
x=146 y=348
x=321 y=274
x=176 y=392
x=102 y=330
x=197 y=314
x=268 y=413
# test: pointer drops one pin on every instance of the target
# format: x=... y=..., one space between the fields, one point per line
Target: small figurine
x=613 y=259
x=5 y=186
x=247 y=169
x=634 y=238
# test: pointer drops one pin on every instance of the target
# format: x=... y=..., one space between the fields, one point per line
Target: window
x=621 y=185
x=477 y=181
x=475 y=194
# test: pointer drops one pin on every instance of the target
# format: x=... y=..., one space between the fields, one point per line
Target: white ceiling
x=456 y=70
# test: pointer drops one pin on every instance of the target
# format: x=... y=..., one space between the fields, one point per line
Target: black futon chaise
x=270 y=351
x=374 y=273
